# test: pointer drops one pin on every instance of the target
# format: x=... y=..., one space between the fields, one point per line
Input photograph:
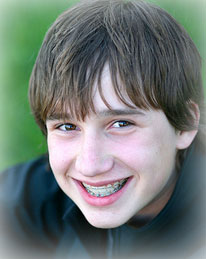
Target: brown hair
x=150 y=54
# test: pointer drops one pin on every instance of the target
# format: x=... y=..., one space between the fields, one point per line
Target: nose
x=93 y=159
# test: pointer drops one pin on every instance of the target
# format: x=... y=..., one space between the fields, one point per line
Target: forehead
x=108 y=94
x=107 y=103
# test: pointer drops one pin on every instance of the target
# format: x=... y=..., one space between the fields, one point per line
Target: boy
x=117 y=91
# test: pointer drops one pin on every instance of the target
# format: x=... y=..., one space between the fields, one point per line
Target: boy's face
x=132 y=145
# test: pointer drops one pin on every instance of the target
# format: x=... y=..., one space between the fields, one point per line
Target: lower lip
x=101 y=201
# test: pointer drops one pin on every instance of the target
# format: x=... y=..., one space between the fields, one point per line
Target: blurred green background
x=23 y=25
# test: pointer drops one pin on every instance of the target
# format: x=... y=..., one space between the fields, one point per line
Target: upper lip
x=100 y=183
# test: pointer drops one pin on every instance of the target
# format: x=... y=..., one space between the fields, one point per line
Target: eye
x=67 y=127
x=121 y=124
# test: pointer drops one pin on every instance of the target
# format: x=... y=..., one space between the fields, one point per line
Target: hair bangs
x=152 y=61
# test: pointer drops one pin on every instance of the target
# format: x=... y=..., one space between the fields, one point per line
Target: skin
x=108 y=146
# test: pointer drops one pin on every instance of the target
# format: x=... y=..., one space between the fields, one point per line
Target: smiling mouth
x=104 y=190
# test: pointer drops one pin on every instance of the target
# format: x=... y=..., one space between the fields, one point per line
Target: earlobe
x=185 y=138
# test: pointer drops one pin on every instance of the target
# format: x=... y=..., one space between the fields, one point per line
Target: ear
x=185 y=138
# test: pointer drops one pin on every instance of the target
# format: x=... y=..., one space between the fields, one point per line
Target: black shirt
x=38 y=220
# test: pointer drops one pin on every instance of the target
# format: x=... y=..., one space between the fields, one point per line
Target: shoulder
x=31 y=203
x=32 y=179
x=186 y=210
x=191 y=186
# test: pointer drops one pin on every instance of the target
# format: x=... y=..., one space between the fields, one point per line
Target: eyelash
x=73 y=127
x=128 y=123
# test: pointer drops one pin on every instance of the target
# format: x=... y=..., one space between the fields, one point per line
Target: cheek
x=136 y=152
x=148 y=155
x=60 y=155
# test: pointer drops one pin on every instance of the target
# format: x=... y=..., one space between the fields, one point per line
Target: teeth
x=116 y=184
x=105 y=190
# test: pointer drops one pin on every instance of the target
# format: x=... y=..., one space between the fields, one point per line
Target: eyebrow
x=103 y=113
x=106 y=113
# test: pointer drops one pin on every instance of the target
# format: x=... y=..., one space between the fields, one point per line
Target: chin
x=100 y=220
x=104 y=224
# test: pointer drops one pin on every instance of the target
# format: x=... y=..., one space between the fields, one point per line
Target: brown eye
x=67 y=127
x=120 y=124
